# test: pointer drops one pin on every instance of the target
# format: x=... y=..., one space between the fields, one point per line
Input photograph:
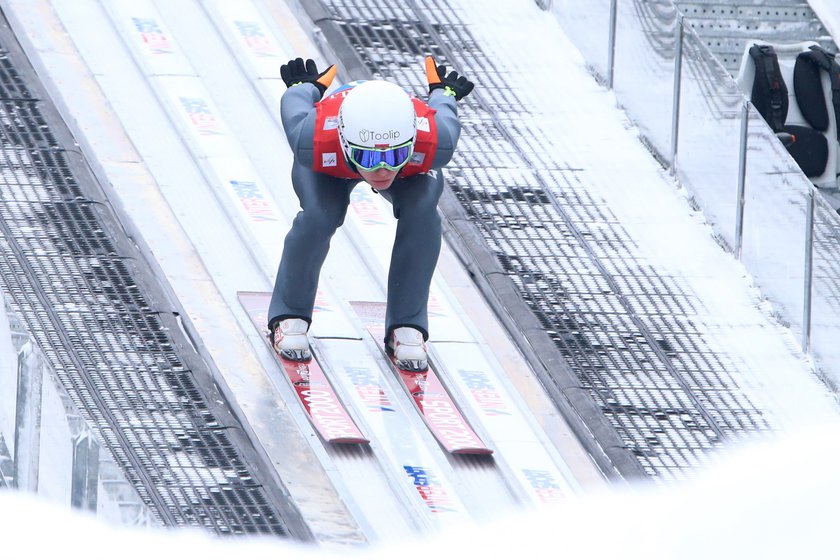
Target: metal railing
x=776 y=216
x=50 y=450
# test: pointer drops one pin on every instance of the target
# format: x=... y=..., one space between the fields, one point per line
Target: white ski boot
x=408 y=348
x=290 y=341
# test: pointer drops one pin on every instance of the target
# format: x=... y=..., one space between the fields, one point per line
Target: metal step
x=726 y=27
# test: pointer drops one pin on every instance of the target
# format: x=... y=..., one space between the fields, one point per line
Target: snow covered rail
x=46 y=447
x=712 y=116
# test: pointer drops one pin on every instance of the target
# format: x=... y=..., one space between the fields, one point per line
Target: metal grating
x=725 y=27
x=621 y=326
x=78 y=292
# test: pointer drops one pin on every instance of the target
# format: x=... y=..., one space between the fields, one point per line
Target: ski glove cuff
x=452 y=84
x=296 y=72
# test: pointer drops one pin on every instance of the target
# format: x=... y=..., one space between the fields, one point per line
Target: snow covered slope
x=175 y=103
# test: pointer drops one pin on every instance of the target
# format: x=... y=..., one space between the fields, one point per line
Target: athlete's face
x=380 y=179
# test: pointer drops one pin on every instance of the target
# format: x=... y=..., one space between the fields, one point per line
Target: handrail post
x=611 y=47
x=675 y=110
x=85 y=473
x=809 y=272
x=742 y=176
x=28 y=419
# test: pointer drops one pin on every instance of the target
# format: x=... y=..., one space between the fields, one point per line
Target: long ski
x=430 y=396
x=317 y=396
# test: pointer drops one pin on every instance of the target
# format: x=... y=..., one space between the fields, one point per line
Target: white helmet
x=376 y=114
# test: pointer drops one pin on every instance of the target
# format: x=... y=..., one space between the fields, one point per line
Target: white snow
x=769 y=500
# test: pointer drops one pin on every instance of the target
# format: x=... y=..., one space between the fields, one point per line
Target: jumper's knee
x=319 y=223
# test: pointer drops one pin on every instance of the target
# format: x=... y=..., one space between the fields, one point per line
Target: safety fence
x=46 y=447
x=762 y=207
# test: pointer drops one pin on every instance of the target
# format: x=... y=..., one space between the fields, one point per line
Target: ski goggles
x=371 y=159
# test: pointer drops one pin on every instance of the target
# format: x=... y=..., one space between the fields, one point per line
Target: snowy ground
x=760 y=499
x=767 y=500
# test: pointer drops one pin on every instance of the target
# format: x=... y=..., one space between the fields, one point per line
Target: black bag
x=807 y=86
x=807 y=144
x=769 y=92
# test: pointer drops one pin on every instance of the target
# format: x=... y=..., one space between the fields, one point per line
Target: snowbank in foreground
x=773 y=499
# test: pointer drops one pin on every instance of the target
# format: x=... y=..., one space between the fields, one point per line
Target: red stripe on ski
x=314 y=391
x=431 y=398
x=438 y=409
x=321 y=403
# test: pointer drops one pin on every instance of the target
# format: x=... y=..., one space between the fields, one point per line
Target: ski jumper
x=323 y=188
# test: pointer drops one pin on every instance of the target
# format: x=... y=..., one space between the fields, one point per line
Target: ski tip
x=471 y=451
x=350 y=439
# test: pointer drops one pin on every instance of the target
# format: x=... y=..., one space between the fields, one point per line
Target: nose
x=382 y=173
